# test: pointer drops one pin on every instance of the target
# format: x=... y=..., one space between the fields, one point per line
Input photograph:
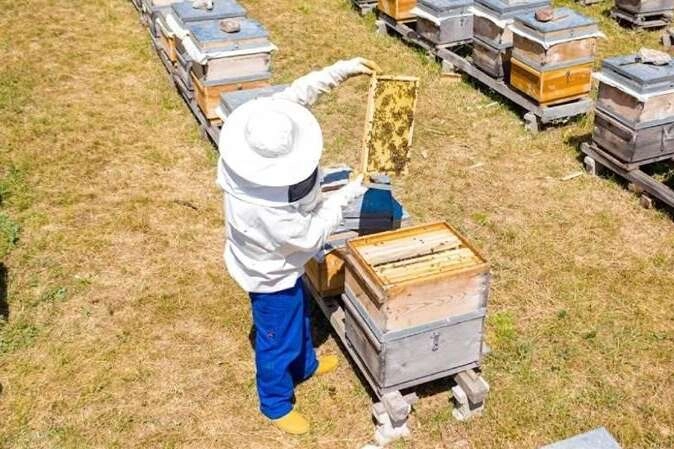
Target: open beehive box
x=416 y=275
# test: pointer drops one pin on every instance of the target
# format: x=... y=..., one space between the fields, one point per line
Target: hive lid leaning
x=640 y=77
x=222 y=9
x=509 y=9
x=441 y=6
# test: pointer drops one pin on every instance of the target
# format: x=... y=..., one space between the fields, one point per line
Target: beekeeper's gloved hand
x=349 y=192
x=360 y=66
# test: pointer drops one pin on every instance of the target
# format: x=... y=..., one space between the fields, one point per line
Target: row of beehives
x=214 y=49
x=548 y=58
x=552 y=61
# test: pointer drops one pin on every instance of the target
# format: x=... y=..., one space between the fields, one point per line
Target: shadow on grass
x=4 y=306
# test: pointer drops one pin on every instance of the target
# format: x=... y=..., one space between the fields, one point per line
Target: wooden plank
x=389 y=124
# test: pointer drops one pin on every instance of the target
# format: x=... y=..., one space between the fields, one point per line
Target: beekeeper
x=270 y=149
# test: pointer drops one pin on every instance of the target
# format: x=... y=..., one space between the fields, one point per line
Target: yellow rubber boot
x=293 y=423
x=326 y=364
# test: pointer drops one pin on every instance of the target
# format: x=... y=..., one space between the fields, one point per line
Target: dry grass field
x=121 y=329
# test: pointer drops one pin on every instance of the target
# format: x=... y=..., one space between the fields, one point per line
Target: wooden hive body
x=633 y=111
x=493 y=60
x=400 y=359
x=397 y=9
x=633 y=144
x=416 y=275
x=645 y=6
x=491 y=33
x=208 y=93
x=243 y=53
x=568 y=39
x=551 y=86
x=453 y=21
x=634 y=118
x=534 y=54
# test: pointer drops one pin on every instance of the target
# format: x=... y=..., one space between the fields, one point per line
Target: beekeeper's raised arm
x=307 y=89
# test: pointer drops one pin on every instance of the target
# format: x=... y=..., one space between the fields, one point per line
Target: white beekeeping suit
x=270 y=150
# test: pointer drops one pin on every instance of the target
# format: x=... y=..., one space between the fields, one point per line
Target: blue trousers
x=284 y=351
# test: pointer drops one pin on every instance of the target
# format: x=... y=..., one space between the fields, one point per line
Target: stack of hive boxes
x=492 y=37
x=634 y=118
x=415 y=302
x=152 y=10
x=636 y=9
x=217 y=50
x=444 y=22
x=552 y=60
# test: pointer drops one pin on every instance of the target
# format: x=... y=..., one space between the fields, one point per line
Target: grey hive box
x=569 y=25
x=492 y=45
x=645 y=6
x=595 y=439
x=455 y=17
x=635 y=129
x=222 y=9
x=400 y=359
x=209 y=38
x=229 y=101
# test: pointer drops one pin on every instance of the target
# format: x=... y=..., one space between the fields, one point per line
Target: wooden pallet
x=643 y=20
x=536 y=115
x=640 y=182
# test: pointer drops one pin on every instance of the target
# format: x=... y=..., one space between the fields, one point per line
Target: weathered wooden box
x=635 y=112
x=416 y=275
x=632 y=145
x=404 y=358
x=551 y=86
x=645 y=6
x=487 y=30
x=207 y=93
x=242 y=53
x=493 y=18
x=222 y=9
x=444 y=22
x=493 y=60
x=568 y=39
x=397 y=9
